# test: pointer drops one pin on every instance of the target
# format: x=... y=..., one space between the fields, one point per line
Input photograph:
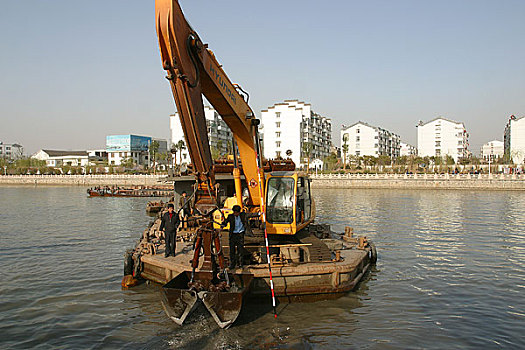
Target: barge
x=135 y=191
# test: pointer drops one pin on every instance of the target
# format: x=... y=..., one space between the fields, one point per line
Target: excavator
x=277 y=197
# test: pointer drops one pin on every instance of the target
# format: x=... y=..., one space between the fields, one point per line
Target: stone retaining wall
x=82 y=180
x=403 y=181
x=420 y=181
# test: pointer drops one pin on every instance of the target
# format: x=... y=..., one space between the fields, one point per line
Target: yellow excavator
x=277 y=197
x=193 y=71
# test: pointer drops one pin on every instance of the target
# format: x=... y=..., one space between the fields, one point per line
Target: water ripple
x=450 y=275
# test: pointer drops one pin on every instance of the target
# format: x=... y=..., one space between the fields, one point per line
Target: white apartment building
x=514 y=139
x=407 y=150
x=11 y=151
x=362 y=139
x=442 y=137
x=293 y=126
x=219 y=134
x=492 y=150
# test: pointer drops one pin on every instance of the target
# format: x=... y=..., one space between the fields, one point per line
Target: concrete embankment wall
x=420 y=181
x=82 y=180
x=391 y=181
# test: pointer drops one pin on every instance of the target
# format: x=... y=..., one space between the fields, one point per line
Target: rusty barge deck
x=290 y=279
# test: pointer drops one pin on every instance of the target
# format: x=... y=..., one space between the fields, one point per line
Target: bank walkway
x=420 y=181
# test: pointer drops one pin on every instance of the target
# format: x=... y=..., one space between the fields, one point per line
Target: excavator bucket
x=222 y=300
x=177 y=300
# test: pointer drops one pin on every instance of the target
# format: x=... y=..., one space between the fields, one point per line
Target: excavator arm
x=193 y=71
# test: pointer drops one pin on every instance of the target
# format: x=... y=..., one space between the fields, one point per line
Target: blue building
x=120 y=147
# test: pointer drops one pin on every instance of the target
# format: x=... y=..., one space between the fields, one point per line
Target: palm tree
x=307 y=148
x=153 y=150
x=173 y=149
x=345 y=151
x=181 y=146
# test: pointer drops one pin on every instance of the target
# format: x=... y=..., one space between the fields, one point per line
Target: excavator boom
x=193 y=71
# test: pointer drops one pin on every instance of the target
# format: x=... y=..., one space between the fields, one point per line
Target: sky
x=75 y=71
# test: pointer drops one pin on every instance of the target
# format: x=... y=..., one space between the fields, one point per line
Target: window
x=357 y=131
x=278 y=134
x=357 y=153
x=357 y=138
x=438 y=152
x=277 y=143
x=277 y=154
x=438 y=143
x=460 y=142
x=277 y=114
x=278 y=124
x=280 y=200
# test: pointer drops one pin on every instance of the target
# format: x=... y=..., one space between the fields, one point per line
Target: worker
x=170 y=223
x=184 y=208
x=238 y=227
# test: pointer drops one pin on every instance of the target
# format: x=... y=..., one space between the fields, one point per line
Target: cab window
x=280 y=200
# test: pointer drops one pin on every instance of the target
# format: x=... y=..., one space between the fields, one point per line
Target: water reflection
x=450 y=274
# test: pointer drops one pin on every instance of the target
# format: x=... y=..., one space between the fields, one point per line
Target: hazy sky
x=75 y=71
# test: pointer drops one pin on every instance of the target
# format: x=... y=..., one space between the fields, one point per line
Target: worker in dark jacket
x=170 y=223
x=238 y=227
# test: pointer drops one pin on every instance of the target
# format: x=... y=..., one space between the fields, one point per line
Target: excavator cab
x=289 y=204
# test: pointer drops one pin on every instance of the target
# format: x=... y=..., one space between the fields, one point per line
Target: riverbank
x=390 y=181
x=82 y=180
x=421 y=181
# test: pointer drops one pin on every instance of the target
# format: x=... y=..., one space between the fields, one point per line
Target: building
x=492 y=150
x=514 y=139
x=135 y=147
x=57 y=158
x=293 y=126
x=219 y=134
x=407 y=150
x=11 y=151
x=97 y=156
x=362 y=139
x=442 y=137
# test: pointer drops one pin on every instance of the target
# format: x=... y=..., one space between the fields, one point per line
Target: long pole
x=259 y=169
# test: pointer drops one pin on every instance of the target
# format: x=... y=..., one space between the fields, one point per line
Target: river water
x=450 y=274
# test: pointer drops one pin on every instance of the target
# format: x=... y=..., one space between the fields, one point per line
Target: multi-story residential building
x=492 y=150
x=514 y=139
x=442 y=137
x=362 y=139
x=219 y=134
x=407 y=150
x=120 y=147
x=292 y=126
x=11 y=151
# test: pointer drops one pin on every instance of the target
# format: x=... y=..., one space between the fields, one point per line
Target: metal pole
x=261 y=194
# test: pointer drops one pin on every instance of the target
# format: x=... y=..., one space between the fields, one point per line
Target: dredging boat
x=134 y=191
x=285 y=254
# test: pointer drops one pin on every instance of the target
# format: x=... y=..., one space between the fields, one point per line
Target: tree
x=345 y=149
x=181 y=146
x=307 y=149
x=345 y=152
x=330 y=161
x=153 y=150
x=127 y=162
